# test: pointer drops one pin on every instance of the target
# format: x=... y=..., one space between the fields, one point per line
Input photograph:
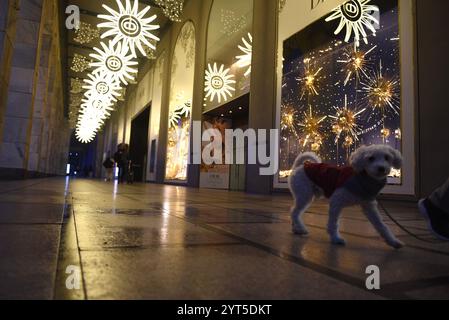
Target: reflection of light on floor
x=66 y=187
x=114 y=194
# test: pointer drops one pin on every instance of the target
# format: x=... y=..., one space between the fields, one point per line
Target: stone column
x=17 y=120
x=8 y=12
x=262 y=109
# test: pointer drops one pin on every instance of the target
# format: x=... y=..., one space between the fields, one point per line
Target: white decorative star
x=218 y=83
x=355 y=15
x=103 y=86
x=114 y=60
x=245 y=59
x=130 y=26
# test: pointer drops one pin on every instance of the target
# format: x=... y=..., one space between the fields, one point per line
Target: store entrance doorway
x=138 y=147
x=232 y=115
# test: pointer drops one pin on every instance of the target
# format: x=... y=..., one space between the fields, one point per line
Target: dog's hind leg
x=372 y=213
x=302 y=203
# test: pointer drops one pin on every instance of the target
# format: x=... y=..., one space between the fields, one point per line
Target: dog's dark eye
x=371 y=159
x=387 y=158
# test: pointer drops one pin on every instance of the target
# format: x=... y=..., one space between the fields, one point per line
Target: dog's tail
x=306 y=157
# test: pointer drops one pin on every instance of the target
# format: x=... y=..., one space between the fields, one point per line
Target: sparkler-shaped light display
x=244 y=61
x=129 y=26
x=382 y=92
x=114 y=60
x=289 y=119
x=310 y=80
x=311 y=130
x=345 y=123
x=219 y=83
x=356 y=63
x=356 y=16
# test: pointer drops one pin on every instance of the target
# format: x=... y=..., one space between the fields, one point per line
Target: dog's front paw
x=338 y=241
x=396 y=244
x=300 y=231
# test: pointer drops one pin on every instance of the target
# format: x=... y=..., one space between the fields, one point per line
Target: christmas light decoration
x=345 y=122
x=356 y=63
x=311 y=130
x=289 y=119
x=76 y=86
x=114 y=60
x=355 y=16
x=310 y=80
x=282 y=4
x=80 y=63
x=86 y=33
x=129 y=26
x=244 y=61
x=382 y=93
x=102 y=86
x=172 y=9
x=231 y=23
x=219 y=83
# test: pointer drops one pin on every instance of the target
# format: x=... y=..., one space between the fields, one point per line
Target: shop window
x=180 y=106
x=339 y=81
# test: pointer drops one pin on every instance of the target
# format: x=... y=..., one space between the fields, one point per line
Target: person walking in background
x=435 y=209
x=108 y=164
x=121 y=159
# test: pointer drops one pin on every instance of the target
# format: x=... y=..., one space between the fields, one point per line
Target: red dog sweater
x=330 y=178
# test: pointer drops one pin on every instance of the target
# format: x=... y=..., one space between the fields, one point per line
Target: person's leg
x=435 y=210
x=440 y=197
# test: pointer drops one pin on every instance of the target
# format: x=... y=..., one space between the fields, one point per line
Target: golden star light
x=219 y=83
x=345 y=122
x=355 y=16
x=129 y=26
x=244 y=61
x=382 y=93
x=356 y=63
x=289 y=119
x=310 y=80
x=311 y=130
x=114 y=60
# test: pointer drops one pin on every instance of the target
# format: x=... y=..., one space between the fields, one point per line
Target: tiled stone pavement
x=167 y=242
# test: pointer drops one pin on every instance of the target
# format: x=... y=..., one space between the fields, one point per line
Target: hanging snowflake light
x=219 y=83
x=130 y=26
x=244 y=61
x=102 y=86
x=172 y=9
x=356 y=16
x=114 y=60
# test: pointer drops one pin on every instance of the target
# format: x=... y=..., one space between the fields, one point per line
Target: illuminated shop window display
x=180 y=108
x=229 y=52
x=341 y=85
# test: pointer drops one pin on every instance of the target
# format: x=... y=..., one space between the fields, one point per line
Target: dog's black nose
x=381 y=169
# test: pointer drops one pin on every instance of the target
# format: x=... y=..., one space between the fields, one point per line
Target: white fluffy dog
x=358 y=184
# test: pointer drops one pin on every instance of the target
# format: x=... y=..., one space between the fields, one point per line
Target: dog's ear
x=397 y=158
x=358 y=159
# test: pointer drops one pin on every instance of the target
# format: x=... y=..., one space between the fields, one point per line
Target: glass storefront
x=180 y=105
x=339 y=81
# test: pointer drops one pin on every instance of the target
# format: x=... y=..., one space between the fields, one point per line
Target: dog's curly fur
x=376 y=161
